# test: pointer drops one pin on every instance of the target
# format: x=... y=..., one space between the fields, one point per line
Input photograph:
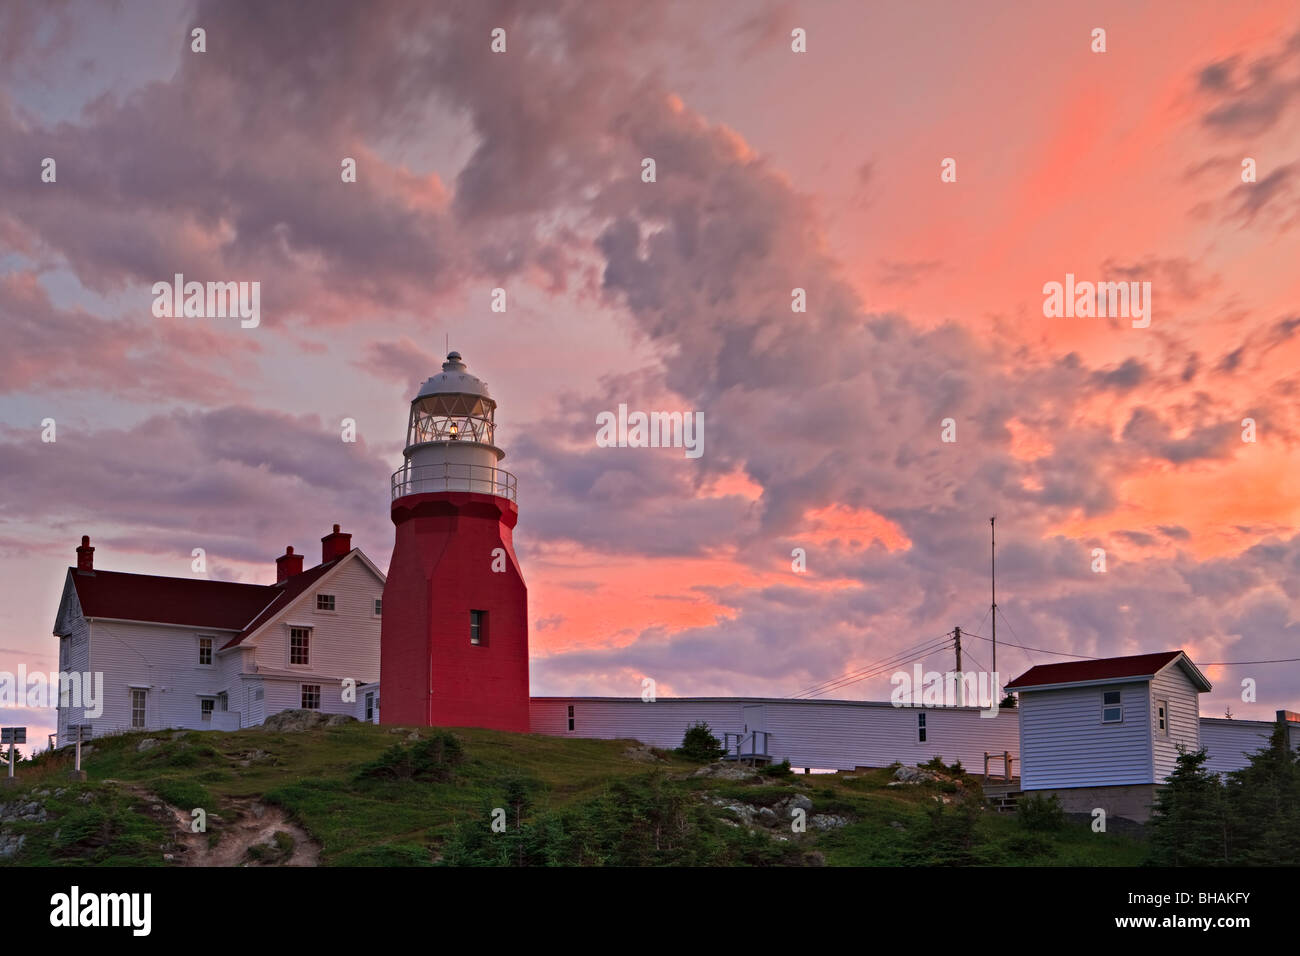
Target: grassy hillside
x=307 y=797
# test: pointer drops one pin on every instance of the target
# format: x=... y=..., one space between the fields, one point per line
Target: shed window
x=920 y=727
x=370 y=708
x=1162 y=717
x=570 y=716
x=1111 y=711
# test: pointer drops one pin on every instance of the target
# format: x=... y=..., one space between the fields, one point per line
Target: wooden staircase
x=1002 y=794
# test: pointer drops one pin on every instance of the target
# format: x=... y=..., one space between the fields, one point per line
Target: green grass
x=585 y=802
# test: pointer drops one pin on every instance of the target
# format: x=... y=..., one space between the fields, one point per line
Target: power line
x=874 y=670
x=871 y=670
x=834 y=680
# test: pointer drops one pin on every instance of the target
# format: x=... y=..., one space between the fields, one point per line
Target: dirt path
x=244 y=823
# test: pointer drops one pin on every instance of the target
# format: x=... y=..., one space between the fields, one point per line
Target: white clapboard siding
x=344 y=642
x=74 y=653
x=1229 y=742
x=255 y=675
x=165 y=660
x=1184 y=719
x=826 y=735
x=1064 y=743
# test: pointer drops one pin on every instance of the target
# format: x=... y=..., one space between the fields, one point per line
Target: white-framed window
x=478 y=627
x=379 y=607
x=1162 y=718
x=223 y=702
x=300 y=646
x=570 y=716
x=370 y=707
x=205 y=651
x=920 y=727
x=311 y=696
x=1112 y=710
x=206 y=706
x=325 y=602
x=138 y=697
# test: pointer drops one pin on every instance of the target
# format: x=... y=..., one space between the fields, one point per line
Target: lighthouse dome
x=454 y=379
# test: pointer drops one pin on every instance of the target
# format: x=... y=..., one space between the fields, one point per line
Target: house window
x=206 y=706
x=379 y=607
x=1111 y=711
x=920 y=727
x=570 y=716
x=1162 y=717
x=478 y=627
x=299 y=645
x=137 y=708
x=223 y=702
x=370 y=707
x=311 y=696
x=324 y=602
x=205 y=650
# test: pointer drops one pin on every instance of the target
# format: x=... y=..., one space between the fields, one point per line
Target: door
x=751 y=716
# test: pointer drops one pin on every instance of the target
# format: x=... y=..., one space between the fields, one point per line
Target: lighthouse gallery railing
x=453 y=476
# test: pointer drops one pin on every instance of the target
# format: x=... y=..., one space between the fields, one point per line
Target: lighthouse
x=454 y=632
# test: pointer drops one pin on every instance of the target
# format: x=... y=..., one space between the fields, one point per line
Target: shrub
x=781 y=769
x=434 y=759
x=1040 y=814
x=700 y=744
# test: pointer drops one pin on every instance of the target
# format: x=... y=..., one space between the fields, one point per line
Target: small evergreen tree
x=1262 y=798
x=1188 y=824
x=700 y=744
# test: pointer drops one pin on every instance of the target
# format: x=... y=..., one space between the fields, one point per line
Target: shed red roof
x=1108 y=668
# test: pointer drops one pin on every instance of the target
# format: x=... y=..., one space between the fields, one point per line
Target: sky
x=774 y=170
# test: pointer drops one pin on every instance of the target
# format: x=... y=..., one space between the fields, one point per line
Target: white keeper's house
x=218 y=655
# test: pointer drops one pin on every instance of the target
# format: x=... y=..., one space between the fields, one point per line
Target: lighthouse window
x=478 y=627
x=299 y=645
x=324 y=602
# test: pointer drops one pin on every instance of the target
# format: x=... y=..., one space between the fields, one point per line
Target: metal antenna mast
x=993 y=584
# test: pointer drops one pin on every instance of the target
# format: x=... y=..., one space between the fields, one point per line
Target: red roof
x=191 y=602
x=223 y=605
x=286 y=592
x=1108 y=668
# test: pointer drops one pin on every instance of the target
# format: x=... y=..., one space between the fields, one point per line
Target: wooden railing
x=1008 y=764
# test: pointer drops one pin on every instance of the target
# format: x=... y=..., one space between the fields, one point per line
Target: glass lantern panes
x=452 y=417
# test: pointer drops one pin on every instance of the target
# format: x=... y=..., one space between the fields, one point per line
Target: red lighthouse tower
x=454 y=638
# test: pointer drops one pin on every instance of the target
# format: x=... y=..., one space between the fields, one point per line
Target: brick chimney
x=86 y=555
x=287 y=565
x=334 y=545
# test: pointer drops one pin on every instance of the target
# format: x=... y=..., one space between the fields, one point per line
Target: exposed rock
x=413 y=735
x=723 y=771
x=31 y=811
x=147 y=744
x=796 y=801
x=10 y=844
x=642 y=755
x=827 y=821
x=293 y=721
x=914 y=775
x=86 y=797
x=896 y=825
